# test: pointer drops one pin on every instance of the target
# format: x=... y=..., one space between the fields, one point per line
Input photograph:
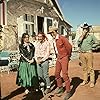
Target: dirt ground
x=10 y=91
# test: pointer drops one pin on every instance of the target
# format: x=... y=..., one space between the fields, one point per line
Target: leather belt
x=86 y=51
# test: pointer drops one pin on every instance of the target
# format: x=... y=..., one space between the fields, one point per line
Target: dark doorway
x=40 y=22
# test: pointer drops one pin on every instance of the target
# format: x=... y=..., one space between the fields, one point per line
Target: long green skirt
x=27 y=75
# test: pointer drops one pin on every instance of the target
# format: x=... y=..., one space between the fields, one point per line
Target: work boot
x=48 y=90
x=83 y=83
x=59 y=91
x=67 y=96
x=26 y=91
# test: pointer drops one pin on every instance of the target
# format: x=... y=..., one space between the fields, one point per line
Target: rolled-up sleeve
x=47 y=52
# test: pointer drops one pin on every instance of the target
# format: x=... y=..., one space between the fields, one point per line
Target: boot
x=48 y=90
x=67 y=96
x=26 y=91
x=83 y=83
x=59 y=91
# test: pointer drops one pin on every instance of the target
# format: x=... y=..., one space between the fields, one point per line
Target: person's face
x=26 y=39
x=40 y=37
x=34 y=38
x=85 y=31
x=53 y=34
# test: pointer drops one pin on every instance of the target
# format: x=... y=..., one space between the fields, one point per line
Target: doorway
x=40 y=24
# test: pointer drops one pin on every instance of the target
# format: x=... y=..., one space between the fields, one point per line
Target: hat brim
x=85 y=27
x=51 y=30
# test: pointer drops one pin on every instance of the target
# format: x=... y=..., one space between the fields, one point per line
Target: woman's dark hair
x=44 y=36
x=23 y=36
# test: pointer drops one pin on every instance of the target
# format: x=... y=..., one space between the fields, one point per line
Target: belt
x=89 y=51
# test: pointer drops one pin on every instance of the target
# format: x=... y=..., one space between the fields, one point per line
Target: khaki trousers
x=87 y=65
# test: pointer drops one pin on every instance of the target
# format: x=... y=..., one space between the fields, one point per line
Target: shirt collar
x=26 y=44
x=57 y=37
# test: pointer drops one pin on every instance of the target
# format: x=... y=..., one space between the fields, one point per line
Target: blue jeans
x=43 y=72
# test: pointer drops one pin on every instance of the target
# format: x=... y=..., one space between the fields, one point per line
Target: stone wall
x=11 y=38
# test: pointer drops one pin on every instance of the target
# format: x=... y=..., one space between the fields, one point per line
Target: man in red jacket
x=64 y=49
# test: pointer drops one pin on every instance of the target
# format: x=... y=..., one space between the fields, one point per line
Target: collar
x=57 y=37
x=26 y=44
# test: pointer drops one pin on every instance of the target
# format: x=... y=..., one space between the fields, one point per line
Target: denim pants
x=43 y=72
x=87 y=65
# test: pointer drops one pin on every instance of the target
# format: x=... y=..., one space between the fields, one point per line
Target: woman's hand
x=39 y=60
x=31 y=61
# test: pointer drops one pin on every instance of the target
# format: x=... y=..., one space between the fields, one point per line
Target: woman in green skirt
x=27 y=73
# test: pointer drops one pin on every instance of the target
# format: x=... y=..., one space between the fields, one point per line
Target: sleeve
x=68 y=46
x=94 y=39
x=79 y=42
x=33 y=50
x=22 y=53
x=20 y=49
x=47 y=52
x=36 y=51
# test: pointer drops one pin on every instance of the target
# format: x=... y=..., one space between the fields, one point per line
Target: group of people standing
x=34 y=62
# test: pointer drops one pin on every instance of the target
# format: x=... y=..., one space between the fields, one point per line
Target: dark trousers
x=62 y=64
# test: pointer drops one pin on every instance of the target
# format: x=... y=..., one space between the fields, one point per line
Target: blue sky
x=79 y=11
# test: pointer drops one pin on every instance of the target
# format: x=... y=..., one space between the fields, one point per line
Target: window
x=49 y=23
x=29 y=28
x=25 y=24
x=28 y=18
x=62 y=30
x=28 y=24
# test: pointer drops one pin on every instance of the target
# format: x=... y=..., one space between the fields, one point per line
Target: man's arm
x=68 y=46
x=94 y=39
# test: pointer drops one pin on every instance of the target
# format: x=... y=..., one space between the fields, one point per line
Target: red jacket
x=63 y=46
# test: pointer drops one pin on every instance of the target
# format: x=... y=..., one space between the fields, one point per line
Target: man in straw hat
x=85 y=43
x=64 y=49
